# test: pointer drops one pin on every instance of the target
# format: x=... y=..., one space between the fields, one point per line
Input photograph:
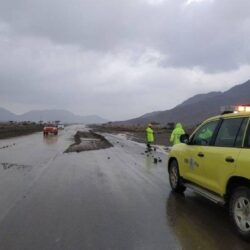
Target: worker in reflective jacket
x=176 y=134
x=149 y=137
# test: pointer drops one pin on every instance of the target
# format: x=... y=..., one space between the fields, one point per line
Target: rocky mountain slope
x=197 y=108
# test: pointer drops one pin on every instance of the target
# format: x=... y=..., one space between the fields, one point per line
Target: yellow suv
x=215 y=162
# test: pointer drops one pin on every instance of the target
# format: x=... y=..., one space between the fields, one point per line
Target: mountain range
x=190 y=112
x=63 y=116
x=197 y=108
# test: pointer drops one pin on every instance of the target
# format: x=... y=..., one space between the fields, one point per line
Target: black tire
x=174 y=178
x=239 y=210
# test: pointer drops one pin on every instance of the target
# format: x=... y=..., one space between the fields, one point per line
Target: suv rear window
x=228 y=133
x=239 y=140
x=247 y=144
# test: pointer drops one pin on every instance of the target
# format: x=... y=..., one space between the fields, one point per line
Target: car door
x=195 y=152
x=243 y=163
x=221 y=158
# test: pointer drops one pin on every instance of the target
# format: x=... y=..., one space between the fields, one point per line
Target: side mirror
x=184 y=138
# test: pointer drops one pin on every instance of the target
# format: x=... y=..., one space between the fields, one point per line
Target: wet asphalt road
x=115 y=198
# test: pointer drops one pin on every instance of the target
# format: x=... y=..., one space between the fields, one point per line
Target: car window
x=240 y=136
x=204 y=135
x=248 y=137
x=228 y=132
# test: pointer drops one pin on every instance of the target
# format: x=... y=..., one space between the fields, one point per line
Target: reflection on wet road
x=200 y=224
x=116 y=198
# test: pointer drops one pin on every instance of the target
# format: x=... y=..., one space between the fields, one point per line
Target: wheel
x=240 y=211
x=174 y=178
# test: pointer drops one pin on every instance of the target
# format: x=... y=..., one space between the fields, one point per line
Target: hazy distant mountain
x=50 y=115
x=200 y=97
x=151 y=114
x=6 y=115
x=196 y=109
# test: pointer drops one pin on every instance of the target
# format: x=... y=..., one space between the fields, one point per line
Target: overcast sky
x=119 y=58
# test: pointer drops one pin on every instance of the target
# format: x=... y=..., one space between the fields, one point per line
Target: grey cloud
x=121 y=58
x=210 y=34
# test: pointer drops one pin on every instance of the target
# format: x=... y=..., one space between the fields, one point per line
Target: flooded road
x=115 y=198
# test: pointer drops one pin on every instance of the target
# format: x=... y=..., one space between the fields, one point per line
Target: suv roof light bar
x=235 y=109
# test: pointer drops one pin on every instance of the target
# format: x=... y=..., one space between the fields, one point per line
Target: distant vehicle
x=50 y=129
x=60 y=126
x=214 y=162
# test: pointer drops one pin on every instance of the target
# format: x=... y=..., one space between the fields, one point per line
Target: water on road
x=115 y=198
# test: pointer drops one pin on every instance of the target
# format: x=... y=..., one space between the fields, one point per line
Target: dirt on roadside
x=17 y=129
x=86 y=141
x=135 y=133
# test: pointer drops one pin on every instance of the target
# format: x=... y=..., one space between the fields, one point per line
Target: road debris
x=7 y=165
x=8 y=146
x=86 y=141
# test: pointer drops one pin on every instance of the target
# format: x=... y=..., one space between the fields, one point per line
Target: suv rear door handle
x=200 y=154
x=229 y=159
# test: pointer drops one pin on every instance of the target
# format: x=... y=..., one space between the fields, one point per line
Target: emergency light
x=244 y=108
x=235 y=109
